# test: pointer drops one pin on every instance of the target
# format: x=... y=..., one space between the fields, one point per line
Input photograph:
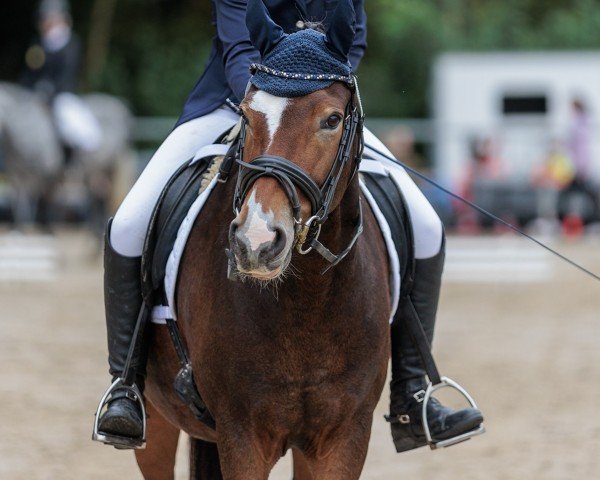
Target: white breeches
x=128 y=230
x=131 y=221
x=76 y=124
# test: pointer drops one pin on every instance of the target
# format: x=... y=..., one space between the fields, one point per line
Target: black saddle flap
x=172 y=207
x=392 y=204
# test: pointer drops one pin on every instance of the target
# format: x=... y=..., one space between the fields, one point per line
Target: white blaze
x=272 y=107
x=257 y=229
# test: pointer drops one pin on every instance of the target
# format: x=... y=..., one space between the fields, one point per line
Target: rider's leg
x=124 y=242
x=131 y=220
x=408 y=374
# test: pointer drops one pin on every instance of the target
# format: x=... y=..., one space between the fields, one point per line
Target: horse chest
x=309 y=365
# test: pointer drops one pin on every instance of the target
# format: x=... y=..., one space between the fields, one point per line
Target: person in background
x=400 y=140
x=579 y=142
x=549 y=179
x=484 y=168
x=52 y=66
x=579 y=200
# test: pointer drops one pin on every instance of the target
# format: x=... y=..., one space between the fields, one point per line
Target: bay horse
x=290 y=356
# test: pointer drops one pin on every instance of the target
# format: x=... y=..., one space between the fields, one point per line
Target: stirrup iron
x=119 y=441
x=446 y=382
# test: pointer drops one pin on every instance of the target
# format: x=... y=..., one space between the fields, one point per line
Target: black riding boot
x=408 y=374
x=123 y=419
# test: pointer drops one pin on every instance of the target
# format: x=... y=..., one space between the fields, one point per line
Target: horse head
x=300 y=136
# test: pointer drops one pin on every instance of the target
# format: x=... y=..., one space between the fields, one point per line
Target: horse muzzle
x=259 y=248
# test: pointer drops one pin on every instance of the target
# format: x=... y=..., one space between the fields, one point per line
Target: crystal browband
x=301 y=76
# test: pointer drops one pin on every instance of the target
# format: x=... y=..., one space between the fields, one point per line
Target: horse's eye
x=333 y=121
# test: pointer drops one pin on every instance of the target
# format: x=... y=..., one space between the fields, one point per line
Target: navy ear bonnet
x=302 y=62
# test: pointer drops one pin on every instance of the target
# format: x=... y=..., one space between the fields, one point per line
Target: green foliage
x=158 y=47
x=157 y=53
x=405 y=36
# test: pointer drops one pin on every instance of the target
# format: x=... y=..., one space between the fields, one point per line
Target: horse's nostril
x=277 y=245
x=280 y=239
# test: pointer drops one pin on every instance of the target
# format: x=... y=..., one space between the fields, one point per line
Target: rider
x=205 y=116
x=52 y=65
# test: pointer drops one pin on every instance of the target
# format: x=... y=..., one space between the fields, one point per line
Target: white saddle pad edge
x=174 y=259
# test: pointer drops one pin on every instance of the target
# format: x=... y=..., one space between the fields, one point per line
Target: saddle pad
x=162 y=312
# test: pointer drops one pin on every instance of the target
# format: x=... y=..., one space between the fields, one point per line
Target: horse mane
x=318 y=26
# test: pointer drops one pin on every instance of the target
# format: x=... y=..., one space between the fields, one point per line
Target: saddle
x=172 y=207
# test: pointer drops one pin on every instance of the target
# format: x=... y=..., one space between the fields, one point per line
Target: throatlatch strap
x=331 y=257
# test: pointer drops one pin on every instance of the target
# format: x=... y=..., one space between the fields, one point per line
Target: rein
x=293 y=179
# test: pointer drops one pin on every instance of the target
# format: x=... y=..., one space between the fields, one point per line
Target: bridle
x=293 y=178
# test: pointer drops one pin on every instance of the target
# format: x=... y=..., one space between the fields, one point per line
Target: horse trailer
x=519 y=104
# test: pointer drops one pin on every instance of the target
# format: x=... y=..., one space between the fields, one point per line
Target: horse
x=36 y=169
x=288 y=356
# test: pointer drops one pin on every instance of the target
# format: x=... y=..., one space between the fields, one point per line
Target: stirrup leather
x=448 y=442
x=119 y=441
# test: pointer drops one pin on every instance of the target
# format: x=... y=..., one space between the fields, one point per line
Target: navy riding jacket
x=227 y=71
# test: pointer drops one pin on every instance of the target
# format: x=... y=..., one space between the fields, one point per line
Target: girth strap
x=184 y=384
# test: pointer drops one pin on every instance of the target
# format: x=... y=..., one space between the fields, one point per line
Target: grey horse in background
x=35 y=162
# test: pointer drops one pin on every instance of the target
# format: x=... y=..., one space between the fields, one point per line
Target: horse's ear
x=340 y=35
x=265 y=34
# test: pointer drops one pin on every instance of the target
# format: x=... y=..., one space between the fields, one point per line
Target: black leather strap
x=185 y=386
x=331 y=257
x=419 y=338
x=130 y=371
x=177 y=342
x=279 y=167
